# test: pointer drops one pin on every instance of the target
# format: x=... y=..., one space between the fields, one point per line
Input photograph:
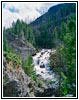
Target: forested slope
x=45 y=25
x=55 y=29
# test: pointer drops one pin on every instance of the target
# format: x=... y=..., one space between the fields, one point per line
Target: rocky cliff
x=16 y=83
x=21 y=47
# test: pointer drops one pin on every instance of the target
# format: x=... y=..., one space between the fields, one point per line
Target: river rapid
x=42 y=68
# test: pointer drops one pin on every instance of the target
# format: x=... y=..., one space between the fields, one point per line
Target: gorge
x=39 y=59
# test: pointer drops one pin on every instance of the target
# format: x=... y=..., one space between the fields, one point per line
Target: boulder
x=42 y=66
x=13 y=89
x=38 y=61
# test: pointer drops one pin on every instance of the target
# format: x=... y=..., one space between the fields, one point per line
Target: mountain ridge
x=53 y=18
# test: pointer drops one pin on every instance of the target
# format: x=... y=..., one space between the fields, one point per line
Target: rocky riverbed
x=43 y=69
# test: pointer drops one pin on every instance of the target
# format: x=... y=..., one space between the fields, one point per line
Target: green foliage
x=5 y=44
x=56 y=60
x=44 y=39
x=64 y=60
x=49 y=82
x=56 y=63
x=23 y=31
x=68 y=52
x=38 y=83
x=64 y=89
x=64 y=30
x=28 y=68
x=14 y=58
x=65 y=56
x=55 y=36
x=49 y=23
x=30 y=35
x=10 y=54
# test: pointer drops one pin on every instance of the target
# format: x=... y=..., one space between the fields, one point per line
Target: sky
x=26 y=11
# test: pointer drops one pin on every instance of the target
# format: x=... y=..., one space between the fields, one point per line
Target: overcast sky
x=24 y=11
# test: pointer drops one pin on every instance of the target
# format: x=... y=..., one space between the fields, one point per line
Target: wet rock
x=45 y=74
x=38 y=75
x=40 y=56
x=42 y=53
x=38 y=61
x=34 y=54
x=50 y=72
x=42 y=66
x=42 y=72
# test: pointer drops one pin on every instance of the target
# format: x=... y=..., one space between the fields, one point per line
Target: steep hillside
x=20 y=38
x=44 y=26
x=49 y=72
x=25 y=49
x=16 y=83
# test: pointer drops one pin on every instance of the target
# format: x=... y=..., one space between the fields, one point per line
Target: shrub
x=13 y=57
x=56 y=60
x=28 y=68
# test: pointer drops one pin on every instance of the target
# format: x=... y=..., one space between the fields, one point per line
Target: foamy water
x=41 y=65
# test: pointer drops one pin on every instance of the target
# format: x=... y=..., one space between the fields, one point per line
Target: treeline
x=22 y=31
x=46 y=25
x=68 y=51
x=44 y=38
x=64 y=61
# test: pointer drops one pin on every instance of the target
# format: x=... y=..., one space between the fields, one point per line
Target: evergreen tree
x=68 y=52
x=55 y=37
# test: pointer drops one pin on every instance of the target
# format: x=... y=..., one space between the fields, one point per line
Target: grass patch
x=16 y=59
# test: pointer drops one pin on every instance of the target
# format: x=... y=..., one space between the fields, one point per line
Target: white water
x=42 y=58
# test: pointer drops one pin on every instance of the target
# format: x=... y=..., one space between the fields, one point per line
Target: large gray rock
x=24 y=48
x=15 y=81
x=13 y=89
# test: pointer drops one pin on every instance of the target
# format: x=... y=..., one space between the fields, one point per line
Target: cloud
x=24 y=11
x=9 y=17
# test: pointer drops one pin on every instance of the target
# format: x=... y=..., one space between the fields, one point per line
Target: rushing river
x=42 y=68
x=41 y=65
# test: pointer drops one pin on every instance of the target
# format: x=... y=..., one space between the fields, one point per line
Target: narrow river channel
x=41 y=65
